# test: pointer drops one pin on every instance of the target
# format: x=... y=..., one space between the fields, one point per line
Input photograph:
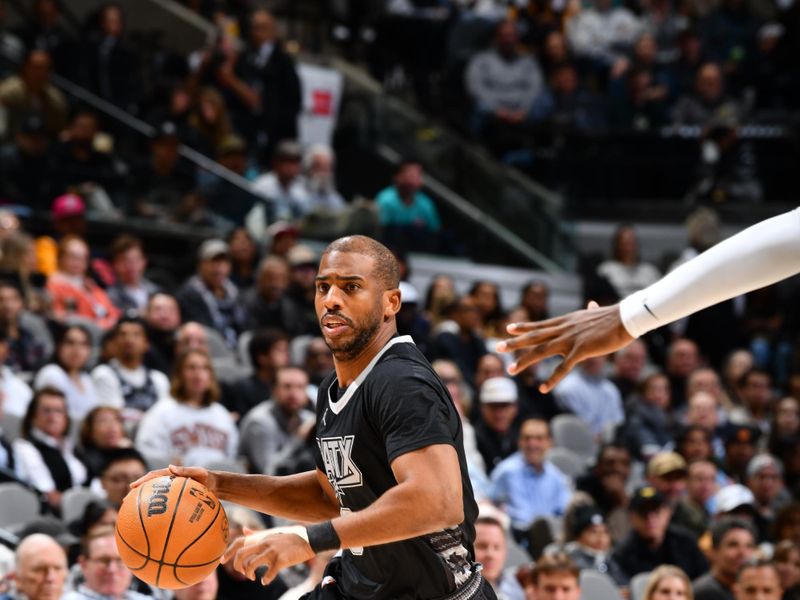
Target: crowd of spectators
x=689 y=450
x=528 y=78
x=628 y=65
x=674 y=458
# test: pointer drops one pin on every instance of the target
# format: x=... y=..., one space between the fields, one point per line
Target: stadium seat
x=217 y=348
x=242 y=348
x=638 y=584
x=18 y=505
x=570 y=431
x=597 y=586
x=11 y=427
x=229 y=370
x=297 y=349
x=74 y=502
x=567 y=461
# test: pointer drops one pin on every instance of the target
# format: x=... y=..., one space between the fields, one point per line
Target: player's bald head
x=385 y=267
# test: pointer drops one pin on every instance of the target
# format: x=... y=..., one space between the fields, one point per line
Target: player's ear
x=391 y=302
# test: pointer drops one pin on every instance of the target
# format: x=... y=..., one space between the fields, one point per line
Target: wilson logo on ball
x=157 y=505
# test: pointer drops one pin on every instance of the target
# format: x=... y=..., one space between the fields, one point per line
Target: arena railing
x=511 y=210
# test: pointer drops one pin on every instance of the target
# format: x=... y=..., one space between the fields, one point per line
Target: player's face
x=557 y=586
x=103 y=568
x=761 y=583
x=349 y=302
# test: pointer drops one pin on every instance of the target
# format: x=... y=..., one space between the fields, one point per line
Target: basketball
x=171 y=532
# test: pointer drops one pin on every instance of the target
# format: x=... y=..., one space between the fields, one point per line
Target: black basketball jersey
x=396 y=405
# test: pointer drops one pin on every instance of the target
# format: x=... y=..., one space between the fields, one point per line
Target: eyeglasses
x=123 y=477
x=107 y=561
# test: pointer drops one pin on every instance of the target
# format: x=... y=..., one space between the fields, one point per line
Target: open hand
x=274 y=549
x=576 y=336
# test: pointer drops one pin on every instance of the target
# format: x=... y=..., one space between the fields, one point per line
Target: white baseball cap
x=498 y=390
x=732 y=497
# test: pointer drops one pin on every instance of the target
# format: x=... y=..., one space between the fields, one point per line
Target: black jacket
x=679 y=548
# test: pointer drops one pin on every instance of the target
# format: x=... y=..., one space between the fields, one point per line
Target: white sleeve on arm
x=760 y=255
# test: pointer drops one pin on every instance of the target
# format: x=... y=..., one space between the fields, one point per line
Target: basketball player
x=758 y=256
x=391 y=487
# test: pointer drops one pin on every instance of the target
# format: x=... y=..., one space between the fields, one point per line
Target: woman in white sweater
x=190 y=426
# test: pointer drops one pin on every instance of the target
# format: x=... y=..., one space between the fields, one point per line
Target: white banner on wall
x=322 y=94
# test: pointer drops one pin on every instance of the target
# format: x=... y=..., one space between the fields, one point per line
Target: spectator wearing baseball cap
x=159 y=181
x=765 y=480
x=666 y=472
x=68 y=215
x=209 y=297
x=653 y=541
x=303 y=263
x=281 y=237
x=591 y=545
x=282 y=188
x=525 y=484
x=495 y=431
x=741 y=443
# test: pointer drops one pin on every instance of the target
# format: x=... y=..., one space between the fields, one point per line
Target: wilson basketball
x=171 y=532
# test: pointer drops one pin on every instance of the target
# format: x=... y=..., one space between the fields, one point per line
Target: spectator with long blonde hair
x=668 y=583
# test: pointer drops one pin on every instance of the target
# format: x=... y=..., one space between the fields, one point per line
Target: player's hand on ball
x=199 y=474
x=274 y=549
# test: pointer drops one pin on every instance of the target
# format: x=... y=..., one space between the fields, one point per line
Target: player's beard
x=365 y=330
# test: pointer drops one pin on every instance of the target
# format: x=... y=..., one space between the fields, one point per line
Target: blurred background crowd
x=165 y=202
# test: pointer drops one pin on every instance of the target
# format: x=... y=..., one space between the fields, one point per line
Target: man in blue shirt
x=405 y=212
x=526 y=485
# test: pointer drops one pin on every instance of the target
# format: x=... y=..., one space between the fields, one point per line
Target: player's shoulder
x=405 y=362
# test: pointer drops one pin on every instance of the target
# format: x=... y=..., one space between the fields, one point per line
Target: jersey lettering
x=342 y=471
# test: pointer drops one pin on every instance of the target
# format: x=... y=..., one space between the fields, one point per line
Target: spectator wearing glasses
x=105 y=575
x=43 y=455
x=122 y=467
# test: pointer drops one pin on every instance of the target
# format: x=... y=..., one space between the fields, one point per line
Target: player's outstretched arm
x=575 y=336
x=758 y=256
x=300 y=497
x=427 y=498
